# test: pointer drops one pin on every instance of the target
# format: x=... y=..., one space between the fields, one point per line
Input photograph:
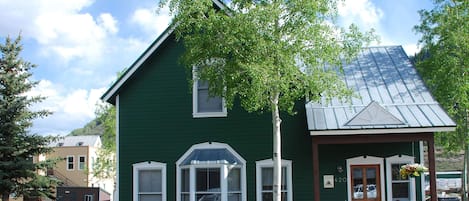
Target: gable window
x=205 y=105
x=397 y=187
x=81 y=162
x=70 y=163
x=149 y=181
x=265 y=180
x=88 y=198
x=211 y=172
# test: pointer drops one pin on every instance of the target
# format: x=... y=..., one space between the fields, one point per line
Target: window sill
x=209 y=114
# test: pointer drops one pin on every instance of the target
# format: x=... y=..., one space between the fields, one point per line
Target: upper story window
x=81 y=162
x=265 y=180
x=205 y=105
x=70 y=163
x=211 y=171
x=149 y=181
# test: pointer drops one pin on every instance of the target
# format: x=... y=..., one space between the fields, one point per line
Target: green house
x=175 y=143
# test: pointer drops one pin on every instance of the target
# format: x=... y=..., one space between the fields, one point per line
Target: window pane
x=149 y=181
x=357 y=174
x=400 y=190
x=234 y=197
x=395 y=171
x=185 y=180
x=208 y=179
x=185 y=197
x=234 y=179
x=267 y=178
x=149 y=198
x=206 y=103
x=208 y=197
x=284 y=178
x=371 y=182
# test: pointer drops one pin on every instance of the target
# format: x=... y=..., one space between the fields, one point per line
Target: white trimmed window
x=81 y=162
x=397 y=187
x=205 y=105
x=365 y=178
x=211 y=172
x=88 y=198
x=265 y=180
x=149 y=181
x=70 y=162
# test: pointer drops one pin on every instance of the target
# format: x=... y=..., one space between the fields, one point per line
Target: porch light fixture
x=340 y=169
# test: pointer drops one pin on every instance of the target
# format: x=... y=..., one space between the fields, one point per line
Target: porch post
x=315 y=170
x=431 y=168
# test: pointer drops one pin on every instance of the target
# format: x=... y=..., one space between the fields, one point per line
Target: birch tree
x=269 y=54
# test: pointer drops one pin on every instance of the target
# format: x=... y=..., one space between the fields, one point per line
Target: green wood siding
x=156 y=124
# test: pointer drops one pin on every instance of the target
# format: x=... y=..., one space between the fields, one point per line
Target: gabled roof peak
x=373 y=114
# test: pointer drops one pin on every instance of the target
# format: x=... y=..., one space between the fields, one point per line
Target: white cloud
x=60 y=27
x=108 y=22
x=150 y=21
x=361 y=12
x=71 y=108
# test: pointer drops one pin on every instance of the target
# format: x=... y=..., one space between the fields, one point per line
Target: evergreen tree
x=18 y=174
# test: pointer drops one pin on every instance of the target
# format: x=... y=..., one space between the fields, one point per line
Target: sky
x=81 y=45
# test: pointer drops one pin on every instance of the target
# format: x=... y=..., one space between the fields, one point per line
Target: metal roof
x=82 y=140
x=392 y=99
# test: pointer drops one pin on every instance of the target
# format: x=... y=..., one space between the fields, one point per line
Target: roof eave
x=381 y=131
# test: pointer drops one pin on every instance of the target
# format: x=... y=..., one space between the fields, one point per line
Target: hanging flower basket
x=412 y=170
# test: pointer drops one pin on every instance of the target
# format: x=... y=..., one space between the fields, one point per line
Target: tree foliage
x=18 y=173
x=268 y=53
x=444 y=63
x=105 y=165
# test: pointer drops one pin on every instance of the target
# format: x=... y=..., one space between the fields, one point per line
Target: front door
x=365 y=183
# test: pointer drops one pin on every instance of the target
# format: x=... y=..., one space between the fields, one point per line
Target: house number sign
x=340 y=179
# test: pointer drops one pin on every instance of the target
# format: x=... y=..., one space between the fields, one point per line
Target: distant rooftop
x=393 y=99
x=83 y=140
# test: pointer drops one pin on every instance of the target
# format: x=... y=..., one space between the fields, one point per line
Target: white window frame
x=365 y=160
x=67 y=163
x=195 y=108
x=402 y=159
x=149 y=165
x=224 y=170
x=88 y=198
x=79 y=162
x=270 y=163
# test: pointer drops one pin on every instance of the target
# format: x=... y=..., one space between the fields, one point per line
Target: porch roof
x=392 y=99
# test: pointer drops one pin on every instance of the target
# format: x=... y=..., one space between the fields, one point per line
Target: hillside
x=93 y=127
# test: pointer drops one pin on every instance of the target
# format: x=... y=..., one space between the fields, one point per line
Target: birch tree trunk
x=277 y=153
